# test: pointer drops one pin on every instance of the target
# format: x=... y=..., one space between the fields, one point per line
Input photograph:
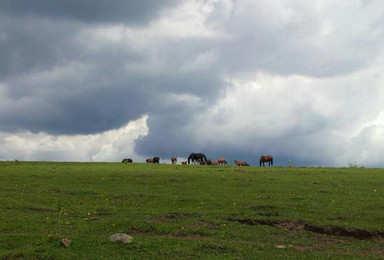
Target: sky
x=106 y=80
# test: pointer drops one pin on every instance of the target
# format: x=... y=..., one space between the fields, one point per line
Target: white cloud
x=335 y=121
x=113 y=145
x=185 y=21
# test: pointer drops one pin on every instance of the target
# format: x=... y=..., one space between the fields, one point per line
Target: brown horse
x=266 y=158
x=202 y=162
x=174 y=160
x=241 y=163
x=149 y=160
x=221 y=161
x=184 y=163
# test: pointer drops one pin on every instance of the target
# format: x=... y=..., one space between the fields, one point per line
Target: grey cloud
x=97 y=11
x=28 y=44
x=36 y=35
x=70 y=108
x=285 y=39
x=84 y=101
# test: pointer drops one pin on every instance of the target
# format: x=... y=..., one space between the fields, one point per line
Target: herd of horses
x=201 y=159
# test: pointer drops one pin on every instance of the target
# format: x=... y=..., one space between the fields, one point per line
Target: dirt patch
x=172 y=216
x=203 y=224
x=297 y=225
x=327 y=240
x=290 y=225
x=40 y=209
x=269 y=214
x=345 y=232
x=161 y=219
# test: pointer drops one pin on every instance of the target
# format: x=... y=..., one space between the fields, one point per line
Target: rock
x=66 y=242
x=121 y=237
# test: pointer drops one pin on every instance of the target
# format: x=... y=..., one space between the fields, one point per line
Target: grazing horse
x=266 y=158
x=156 y=159
x=221 y=161
x=149 y=160
x=201 y=162
x=174 y=160
x=184 y=163
x=127 y=160
x=194 y=157
x=241 y=163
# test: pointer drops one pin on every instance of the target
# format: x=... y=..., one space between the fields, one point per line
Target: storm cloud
x=235 y=79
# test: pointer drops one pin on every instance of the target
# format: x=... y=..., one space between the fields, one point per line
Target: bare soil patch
x=203 y=224
x=297 y=226
x=161 y=219
x=40 y=209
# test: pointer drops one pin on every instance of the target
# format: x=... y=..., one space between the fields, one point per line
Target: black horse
x=127 y=160
x=156 y=160
x=195 y=157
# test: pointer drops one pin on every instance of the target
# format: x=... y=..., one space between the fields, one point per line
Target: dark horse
x=266 y=158
x=195 y=157
x=127 y=160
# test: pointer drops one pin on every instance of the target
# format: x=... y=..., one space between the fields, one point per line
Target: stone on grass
x=121 y=237
x=66 y=242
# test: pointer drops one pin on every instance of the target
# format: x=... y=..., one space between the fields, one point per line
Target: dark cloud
x=96 y=11
x=62 y=78
x=70 y=107
x=37 y=35
x=29 y=44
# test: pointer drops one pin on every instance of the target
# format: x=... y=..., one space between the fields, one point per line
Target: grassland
x=189 y=212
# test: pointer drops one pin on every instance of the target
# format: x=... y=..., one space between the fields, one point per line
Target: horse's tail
x=205 y=158
x=271 y=160
x=189 y=158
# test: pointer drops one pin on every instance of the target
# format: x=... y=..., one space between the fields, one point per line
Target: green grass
x=181 y=212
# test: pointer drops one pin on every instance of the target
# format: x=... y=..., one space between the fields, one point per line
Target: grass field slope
x=189 y=211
